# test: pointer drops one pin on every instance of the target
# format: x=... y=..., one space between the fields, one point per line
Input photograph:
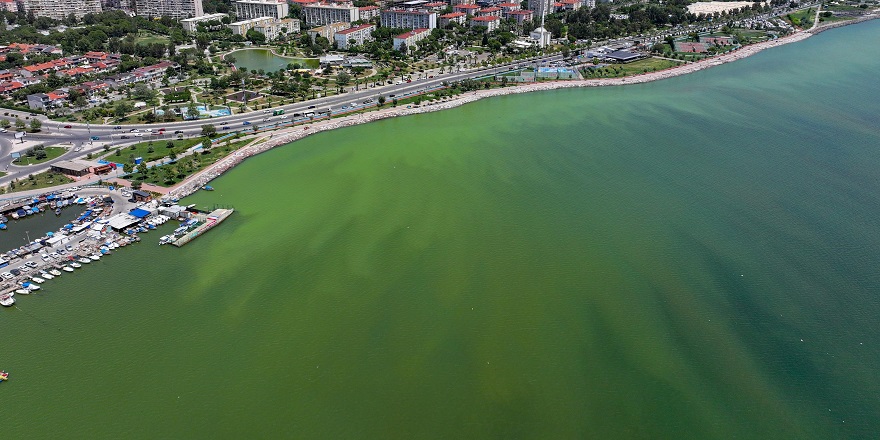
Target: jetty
x=206 y=221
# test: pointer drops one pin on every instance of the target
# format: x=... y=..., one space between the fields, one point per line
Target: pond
x=264 y=59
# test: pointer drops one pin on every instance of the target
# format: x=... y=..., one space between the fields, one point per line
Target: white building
x=490 y=22
x=541 y=7
x=541 y=36
x=190 y=24
x=328 y=30
x=59 y=10
x=245 y=9
x=324 y=13
x=169 y=8
x=410 y=38
x=274 y=28
x=407 y=19
x=358 y=34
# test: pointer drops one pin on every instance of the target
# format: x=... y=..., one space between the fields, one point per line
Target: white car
x=135 y=130
x=267 y=111
x=8 y=275
x=3 y=130
x=24 y=269
x=138 y=135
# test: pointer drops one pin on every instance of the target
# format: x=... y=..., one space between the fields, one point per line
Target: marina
x=109 y=221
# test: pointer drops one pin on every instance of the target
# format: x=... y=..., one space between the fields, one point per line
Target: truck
x=278 y=112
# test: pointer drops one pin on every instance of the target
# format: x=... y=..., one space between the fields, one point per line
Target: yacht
x=31 y=286
x=38 y=280
x=23 y=291
x=55 y=272
x=67 y=269
x=76 y=265
x=84 y=260
x=46 y=275
x=95 y=257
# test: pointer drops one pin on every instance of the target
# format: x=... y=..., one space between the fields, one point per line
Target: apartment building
x=324 y=13
x=410 y=38
x=169 y=8
x=190 y=24
x=408 y=19
x=247 y=9
x=59 y=10
x=358 y=34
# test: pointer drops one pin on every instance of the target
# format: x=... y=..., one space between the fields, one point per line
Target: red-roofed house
x=569 y=5
x=410 y=38
x=467 y=9
x=358 y=34
x=8 y=5
x=7 y=87
x=452 y=17
x=520 y=15
x=492 y=11
x=490 y=22
x=509 y=6
x=433 y=6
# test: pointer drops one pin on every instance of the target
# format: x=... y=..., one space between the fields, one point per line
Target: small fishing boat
x=55 y=272
x=23 y=291
x=6 y=300
x=84 y=260
x=31 y=286
x=76 y=265
x=46 y=275
x=4 y=376
x=57 y=211
x=67 y=269
x=38 y=280
x=208 y=188
x=95 y=257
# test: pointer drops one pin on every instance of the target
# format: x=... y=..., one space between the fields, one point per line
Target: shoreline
x=293 y=134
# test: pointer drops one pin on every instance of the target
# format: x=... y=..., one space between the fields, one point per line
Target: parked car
x=3 y=130
x=8 y=275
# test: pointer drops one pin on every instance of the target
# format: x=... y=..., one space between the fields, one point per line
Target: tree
x=5 y=123
x=19 y=124
x=192 y=111
x=342 y=79
x=209 y=130
x=381 y=101
x=36 y=125
x=122 y=108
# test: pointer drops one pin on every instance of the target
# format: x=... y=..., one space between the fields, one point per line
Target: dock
x=207 y=221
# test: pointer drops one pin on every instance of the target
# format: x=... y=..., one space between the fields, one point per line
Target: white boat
x=55 y=272
x=33 y=286
x=76 y=265
x=95 y=257
x=38 y=280
x=84 y=260
x=23 y=292
x=67 y=269
x=47 y=275
x=7 y=300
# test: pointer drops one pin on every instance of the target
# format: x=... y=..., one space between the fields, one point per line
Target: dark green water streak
x=691 y=258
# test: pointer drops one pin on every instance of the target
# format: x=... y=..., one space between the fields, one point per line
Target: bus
x=278 y=112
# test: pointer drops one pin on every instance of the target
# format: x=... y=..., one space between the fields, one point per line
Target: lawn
x=173 y=173
x=634 y=68
x=145 y=37
x=37 y=181
x=51 y=153
x=160 y=149
x=802 y=19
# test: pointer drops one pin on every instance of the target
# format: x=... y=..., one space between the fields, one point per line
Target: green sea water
x=691 y=258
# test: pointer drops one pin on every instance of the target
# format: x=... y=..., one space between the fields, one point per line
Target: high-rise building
x=540 y=7
x=323 y=13
x=247 y=9
x=169 y=8
x=59 y=10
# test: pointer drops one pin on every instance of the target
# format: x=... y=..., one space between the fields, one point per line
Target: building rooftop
x=356 y=29
x=412 y=33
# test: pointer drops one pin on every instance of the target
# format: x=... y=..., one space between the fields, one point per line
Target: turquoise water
x=690 y=258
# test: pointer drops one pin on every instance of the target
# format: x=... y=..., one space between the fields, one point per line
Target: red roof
x=467 y=7
x=434 y=4
x=356 y=28
x=520 y=12
x=486 y=18
x=412 y=33
x=368 y=8
x=508 y=5
x=494 y=9
x=454 y=15
x=56 y=95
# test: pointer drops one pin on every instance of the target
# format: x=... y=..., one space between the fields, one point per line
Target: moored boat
x=55 y=272
x=67 y=269
x=84 y=260
x=6 y=300
x=4 y=376
x=46 y=275
x=95 y=257
x=76 y=265
x=31 y=286
x=23 y=291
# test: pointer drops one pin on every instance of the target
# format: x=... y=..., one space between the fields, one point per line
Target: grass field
x=142 y=149
x=802 y=19
x=634 y=68
x=145 y=37
x=173 y=173
x=51 y=153
x=37 y=181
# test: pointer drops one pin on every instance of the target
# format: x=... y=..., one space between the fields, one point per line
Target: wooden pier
x=208 y=221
